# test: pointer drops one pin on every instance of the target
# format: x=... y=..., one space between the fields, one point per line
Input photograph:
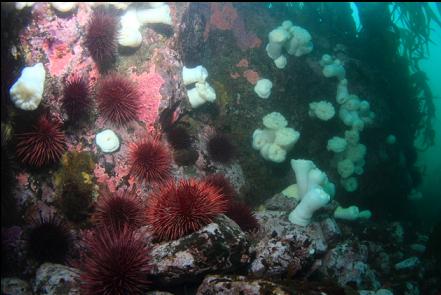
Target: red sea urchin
x=45 y=145
x=150 y=160
x=178 y=137
x=220 y=148
x=118 y=99
x=116 y=210
x=76 y=99
x=49 y=240
x=178 y=209
x=221 y=182
x=114 y=263
x=242 y=214
x=101 y=37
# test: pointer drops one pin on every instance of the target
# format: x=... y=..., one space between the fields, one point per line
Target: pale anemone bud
x=129 y=34
x=326 y=60
x=274 y=120
x=160 y=14
x=64 y=6
x=280 y=62
x=345 y=168
x=263 y=88
x=194 y=75
x=278 y=35
x=350 y=184
x=337 y=144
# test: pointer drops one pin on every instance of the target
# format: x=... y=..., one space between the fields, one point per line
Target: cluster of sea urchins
x=115 y=260
x=42 y=146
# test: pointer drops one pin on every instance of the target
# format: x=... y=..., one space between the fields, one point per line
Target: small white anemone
x=107 y=141
x=323 y=110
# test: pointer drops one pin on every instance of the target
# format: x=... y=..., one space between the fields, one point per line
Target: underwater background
x=221 y=148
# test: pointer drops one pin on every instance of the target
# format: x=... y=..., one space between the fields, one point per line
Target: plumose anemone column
x=314 y=191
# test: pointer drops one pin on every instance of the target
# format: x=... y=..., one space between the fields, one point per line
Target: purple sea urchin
x=223 y=184
x=114 y=262
x=150 y=160
x=101 y=37
x=179 y=138
x=49 y=240
x=220 y=148
x=118 y=210
x=76 y=99
x=118 y=99
x=242 y=214
x=42 y=146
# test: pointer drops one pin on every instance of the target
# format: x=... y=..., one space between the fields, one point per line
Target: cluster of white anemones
x=202 y=92
x=276 y=139
x=294 y=40
x=354 y=113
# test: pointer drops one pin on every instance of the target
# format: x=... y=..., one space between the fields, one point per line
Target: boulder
x=219 y=247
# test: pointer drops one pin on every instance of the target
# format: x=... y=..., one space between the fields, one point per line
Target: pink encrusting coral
x=59 y=57
x=223 y=16
x=104 y=179
x=57 y=40
x=149 y=86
